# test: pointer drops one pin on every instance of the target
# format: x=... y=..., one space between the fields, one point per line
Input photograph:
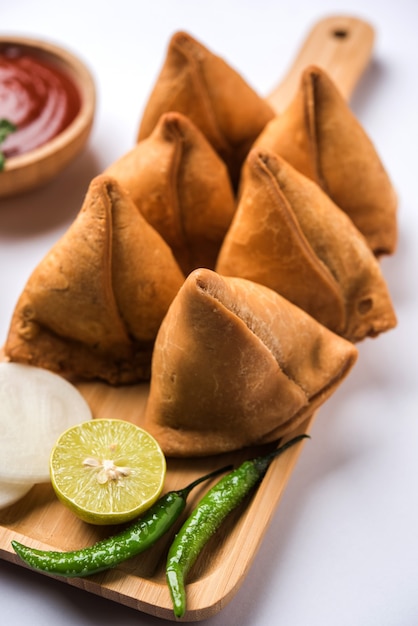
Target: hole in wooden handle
x=340 y=33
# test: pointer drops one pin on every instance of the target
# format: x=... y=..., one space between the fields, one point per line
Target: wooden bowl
x=35 y=168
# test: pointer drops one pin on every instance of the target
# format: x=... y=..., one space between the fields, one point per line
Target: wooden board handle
x=341 y=45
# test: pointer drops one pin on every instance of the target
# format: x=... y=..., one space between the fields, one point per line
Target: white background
x=342 y=548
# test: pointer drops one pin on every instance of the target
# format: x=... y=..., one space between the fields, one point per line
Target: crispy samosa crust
x=93 y=306
x=202 y=86
x=182 y=188
x=235 y=364
x=320 y=136
x=287 y=234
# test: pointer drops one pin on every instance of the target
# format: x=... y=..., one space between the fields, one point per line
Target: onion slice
x=36 y=406
x=12 y=492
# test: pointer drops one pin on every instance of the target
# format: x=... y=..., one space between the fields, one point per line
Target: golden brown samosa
x=235 y=364
x=93 y=306
x=320 y=136
x=182 y=188
x=217 y=99
x=287 y=234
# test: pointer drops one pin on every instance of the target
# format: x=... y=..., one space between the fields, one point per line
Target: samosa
x=289 y=235
x=235 y=364
x=92 y=307
x=321 y=137
x=201 y=85
x=181 y=187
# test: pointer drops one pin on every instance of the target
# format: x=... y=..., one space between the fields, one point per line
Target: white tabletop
x=342 y=548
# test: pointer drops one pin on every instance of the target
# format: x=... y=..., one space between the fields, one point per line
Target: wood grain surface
x=341 y=45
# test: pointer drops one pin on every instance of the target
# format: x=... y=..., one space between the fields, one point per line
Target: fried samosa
x=287 y=234
x=320 y=136
x=217 y=99
x=182 y=188
x=93 y=306
x=235 y=364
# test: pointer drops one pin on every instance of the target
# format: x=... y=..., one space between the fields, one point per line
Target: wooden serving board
x=342 y=46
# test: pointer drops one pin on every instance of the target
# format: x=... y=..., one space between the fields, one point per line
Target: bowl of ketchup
x=47 y=106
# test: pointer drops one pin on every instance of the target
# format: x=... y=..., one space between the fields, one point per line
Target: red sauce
x=36 y=96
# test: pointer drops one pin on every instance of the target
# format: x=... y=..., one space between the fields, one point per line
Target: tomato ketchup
x=37 y=96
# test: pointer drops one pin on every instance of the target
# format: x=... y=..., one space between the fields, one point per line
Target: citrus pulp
x=107 y=471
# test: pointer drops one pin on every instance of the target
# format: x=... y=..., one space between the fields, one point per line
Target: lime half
x=107 y=471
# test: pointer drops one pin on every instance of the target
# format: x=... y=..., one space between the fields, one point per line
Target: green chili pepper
x=136 y=538
x=208 y=516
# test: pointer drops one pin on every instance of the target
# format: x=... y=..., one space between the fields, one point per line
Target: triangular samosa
x=92 y=307
x=182 y=188
x=288 y=235
x=321 y=137
x=201 y=85
x=235 y=364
